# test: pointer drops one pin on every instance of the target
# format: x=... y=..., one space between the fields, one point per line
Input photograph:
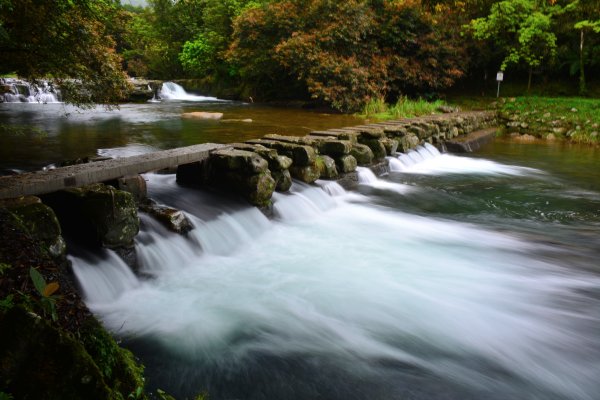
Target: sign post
x=499 y=78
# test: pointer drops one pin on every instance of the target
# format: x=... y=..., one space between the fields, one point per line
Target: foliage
x=70 y=44
x=46 y=291
x=344 y=53
x=403 y=108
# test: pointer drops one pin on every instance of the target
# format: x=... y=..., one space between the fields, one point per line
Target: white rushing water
x=374 y=291
x=173 y=91
x=428 y=160
x=21 y=91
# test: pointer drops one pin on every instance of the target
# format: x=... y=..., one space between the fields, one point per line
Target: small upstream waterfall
x=20 y=91
x=173 y=91
x=342 y=297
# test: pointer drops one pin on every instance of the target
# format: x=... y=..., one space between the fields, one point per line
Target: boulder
x=256 y=189
x=306 y=173
x=241 y=161
x=175 y=220
x=283 y=180
x=134 y=184
x=301 y=155
x=98 y=213
x=346 y=164
x=362 y=153
x=40 y=221
x=376 y=147
x=333 y=147
x=390 y=145
x=327 y=169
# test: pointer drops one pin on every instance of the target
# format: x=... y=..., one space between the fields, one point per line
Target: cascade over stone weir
x=252 y=170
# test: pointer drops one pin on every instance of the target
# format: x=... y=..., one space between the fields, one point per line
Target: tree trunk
x=529 y=80
x=582 y=88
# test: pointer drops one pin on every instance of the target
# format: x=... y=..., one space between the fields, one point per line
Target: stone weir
x=99 y=201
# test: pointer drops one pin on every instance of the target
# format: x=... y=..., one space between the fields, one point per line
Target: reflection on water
x=70 y=133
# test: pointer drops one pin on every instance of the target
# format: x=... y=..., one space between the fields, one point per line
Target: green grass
x=404 y=108
x=575 y=118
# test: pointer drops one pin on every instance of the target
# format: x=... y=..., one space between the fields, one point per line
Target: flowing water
x=451 y=277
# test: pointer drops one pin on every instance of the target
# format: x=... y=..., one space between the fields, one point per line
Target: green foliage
x=198 y=56
x=7 y=303
x=72 y=45
x=4 y=267
x=46 y=291
x=521 y=28
x=344 y=53
x=403 y=108
x=6 y=396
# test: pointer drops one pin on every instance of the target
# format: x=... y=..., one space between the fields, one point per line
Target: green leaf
x=38 y=280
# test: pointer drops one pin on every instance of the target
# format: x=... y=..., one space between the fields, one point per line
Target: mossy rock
x=307 y=173
x=46 y=363
x=98 y=213
x=327 y=169
x=390 y=145
x=245 y=162
x=40 y=221
x=335 y=148
x=283 y=180
x=301 y=155
x=257 y=189
x=362 y=153
x=346 y=164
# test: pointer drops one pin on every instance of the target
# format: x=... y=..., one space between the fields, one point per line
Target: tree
x=344 y=53
x=523 y=29
x=66 y=40
x=583 y=26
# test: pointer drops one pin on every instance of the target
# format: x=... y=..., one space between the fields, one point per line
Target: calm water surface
x=66 y=133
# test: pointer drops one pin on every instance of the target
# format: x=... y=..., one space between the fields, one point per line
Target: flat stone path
x=40 y=182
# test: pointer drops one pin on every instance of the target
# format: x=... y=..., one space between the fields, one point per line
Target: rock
x=525 y=138
x=594 y=134
x=202 y=115
x=40 y=221
x=376 y=147
x=339 y=134
x=306 y=173
x=256 y=189
x=175 y=220
x=283 y=180
x=551 y=137
x=547 y=115
x=97 y=213
x=301 y=155
x=559 y=130
x=362 y=153
x=242 y=161
x=366 y=132
x=134 y=184
x=574 y=110
x=276 y=162
x=390 y=145
x=334 y=148
x=327 y=169
x=346 y=164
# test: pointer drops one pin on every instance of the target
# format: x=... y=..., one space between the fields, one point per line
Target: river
x=452 y=277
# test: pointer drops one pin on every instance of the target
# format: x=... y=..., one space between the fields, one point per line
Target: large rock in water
x=243 y=172
x=98 y=213
x=175 y=220
x=40 y=221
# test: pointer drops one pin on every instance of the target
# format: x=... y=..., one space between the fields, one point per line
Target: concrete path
x=41 y=182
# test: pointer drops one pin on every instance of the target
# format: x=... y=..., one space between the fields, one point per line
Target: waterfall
x=21 y=91
x=427 y=160
x=173 y=91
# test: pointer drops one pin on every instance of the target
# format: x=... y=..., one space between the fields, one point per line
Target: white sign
x=500 y=76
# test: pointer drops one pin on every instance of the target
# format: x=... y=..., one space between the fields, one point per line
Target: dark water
x=66 y=133
x=459 y=277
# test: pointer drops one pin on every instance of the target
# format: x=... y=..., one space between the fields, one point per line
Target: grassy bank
x=378 y=109
x=573 y=118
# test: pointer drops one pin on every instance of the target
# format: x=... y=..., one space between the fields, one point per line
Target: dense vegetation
x=345 y=54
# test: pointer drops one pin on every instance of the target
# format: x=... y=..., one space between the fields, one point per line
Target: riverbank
x=551 y=118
